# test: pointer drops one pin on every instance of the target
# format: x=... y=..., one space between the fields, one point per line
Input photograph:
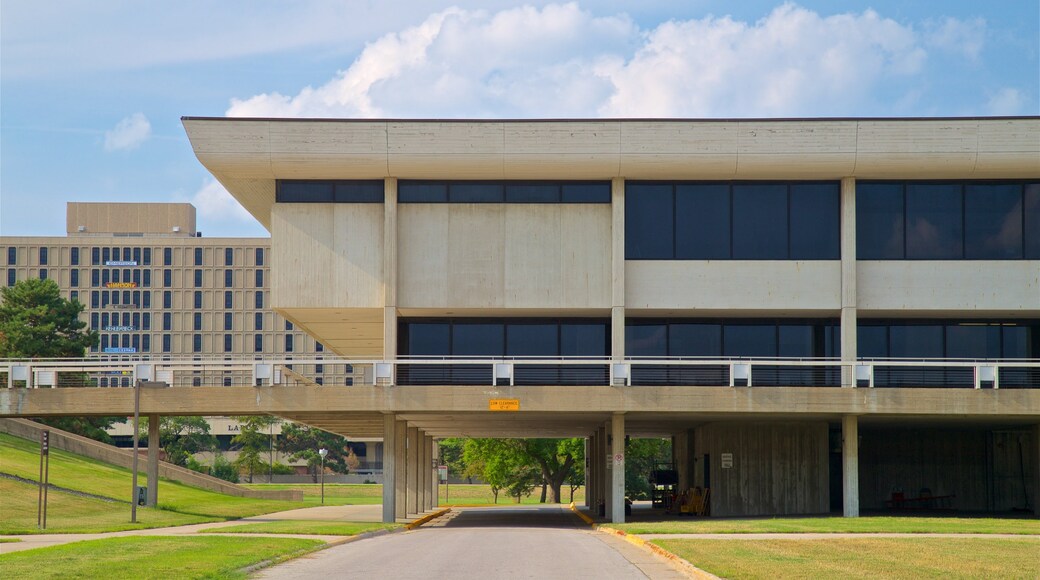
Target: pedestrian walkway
x=344 y=513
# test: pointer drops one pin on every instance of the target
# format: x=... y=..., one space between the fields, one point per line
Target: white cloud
x=1006 y=101
x=964 y=37
x=562 y=61
x=128 y=133
x=215 y=204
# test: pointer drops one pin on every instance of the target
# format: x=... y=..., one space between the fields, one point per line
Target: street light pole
x=323 y=452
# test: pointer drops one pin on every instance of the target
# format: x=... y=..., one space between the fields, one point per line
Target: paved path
x=541 y=542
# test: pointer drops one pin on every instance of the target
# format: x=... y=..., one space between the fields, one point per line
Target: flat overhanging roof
x=248 y=155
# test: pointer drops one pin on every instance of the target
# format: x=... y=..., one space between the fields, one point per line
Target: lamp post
x=323 y=452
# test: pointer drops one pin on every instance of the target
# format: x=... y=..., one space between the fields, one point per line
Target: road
x=523 y=542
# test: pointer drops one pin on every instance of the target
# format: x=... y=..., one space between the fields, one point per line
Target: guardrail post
x=384 y=374
x=740 y=375
x=504 y=371
x=620 y=374
x=864 y=376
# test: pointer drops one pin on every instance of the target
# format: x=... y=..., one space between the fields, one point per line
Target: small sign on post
x=442 y=473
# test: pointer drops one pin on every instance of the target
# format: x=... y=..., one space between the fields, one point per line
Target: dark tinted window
x=74 y=256
x=95 y=256
x=578 y=339
x=167 y=256
x=533 y=193
x=167 y=299
x=694 y=339
x=259 y=299
x=973 y=341
x=43 y=273
x=915 y=341
x=259 y=256
x=759 y=222
x=43 y=256
x=431 y=339
x=229 y=278
x=74 y=277
x=420 y=192
x=649 y=222
x=815 y=221
x=197 y=321
x=229 y=256
x=795 y=341
x=12 y=255
x=288 y=343
x=12 y=278
x=229 y=300
x=147 y=261
x=228 y=318
x=1031 y=219
x=879 y=221
x=532 y=339
x=198 y=278
x=227 y=343
x=585 y=193
x=646 y=339
x=196 y=343
x=993 y=221
x=477 y=339
x=474 y=192
x=258 y=321
x=934 y=222
x=369 y=191
x=702 y=220
x=259 y=278
x=749 y=340
x=198 y=299
x=304 y=192
x=198 y=256
x=258 y=343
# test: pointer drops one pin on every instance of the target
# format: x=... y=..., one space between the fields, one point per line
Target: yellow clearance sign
x=504 y=405
x=121 y=285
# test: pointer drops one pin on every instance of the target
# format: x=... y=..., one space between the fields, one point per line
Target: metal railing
x=125 y=371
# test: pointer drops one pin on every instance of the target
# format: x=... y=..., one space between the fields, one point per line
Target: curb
x=684 y=565
x=426 y=518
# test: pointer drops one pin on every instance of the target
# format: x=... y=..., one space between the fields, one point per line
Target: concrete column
x=1035 y=500
x=436 y=475
x=153 y=460
x=424 y=471
x=389 y=468
x=413 y=470
x=848 y=279
x=390 y=268
x=400 y=453
x=850 y=465
x=617 y=269
x=588 y=471
x=617 y=492
x=608 y=471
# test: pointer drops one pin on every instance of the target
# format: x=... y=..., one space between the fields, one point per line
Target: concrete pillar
x=389 y=468
x=608 y=471
x=848 y=280
x=617 y=269
x=413 y=470
x=1035 y=500
x=588 y=471
x=617 y=492
x=424 y=471
x=436 y=475
x=850 y=465
x=390 y=268
x=400 y=453
x=153 y=460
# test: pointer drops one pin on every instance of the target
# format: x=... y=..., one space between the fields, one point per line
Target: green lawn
x=372 y=493
x=319 y=527
x=908 y=558
x=152 y=557
x=67 y=513
x=869 y=524
x=21 y=457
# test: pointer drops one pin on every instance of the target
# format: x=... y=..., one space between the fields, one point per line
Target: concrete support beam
x=413 y=471
x=588 y=471
x=436 y=475
x=153 y=460
x=848 y=279
x=389 y=468
x=1035 y=500
x=617 y=269
x=390 y=268
x=605 y=470
x=617 y=492
x=850 y=465
x=424 y=471
x=400 y=452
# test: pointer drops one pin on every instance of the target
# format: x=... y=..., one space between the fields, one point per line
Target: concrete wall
x=538 y=256
x=124 y=458
x=778 y=468
x=967 y=287
x=747 y=286
x=984 y=469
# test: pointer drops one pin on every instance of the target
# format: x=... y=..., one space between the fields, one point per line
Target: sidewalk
x=345 y=513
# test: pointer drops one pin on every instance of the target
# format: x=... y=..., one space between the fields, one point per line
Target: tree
x=182 y=437
x=555 y=459
x=36 y=322
x=451 y=456
x=302 y=443
x=253 y=440
x=641 y=457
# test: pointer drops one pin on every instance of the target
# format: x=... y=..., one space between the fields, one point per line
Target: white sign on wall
x=727 y=460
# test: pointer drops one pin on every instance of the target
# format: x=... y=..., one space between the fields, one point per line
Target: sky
x=91 y=93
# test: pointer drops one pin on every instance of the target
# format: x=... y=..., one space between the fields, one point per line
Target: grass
x=862 y=558
x=9 y=540
x=372 y=493
x=318 y=527
x=21 y=457
x=71 y=514
x=870 y=524
x=152 y=557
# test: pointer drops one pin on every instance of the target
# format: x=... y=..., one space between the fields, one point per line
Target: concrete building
x=824 y=315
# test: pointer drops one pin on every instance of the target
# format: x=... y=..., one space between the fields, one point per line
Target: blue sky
x=91 y=93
